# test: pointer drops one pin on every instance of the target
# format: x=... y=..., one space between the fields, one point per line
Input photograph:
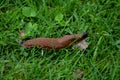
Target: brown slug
x=55 y=43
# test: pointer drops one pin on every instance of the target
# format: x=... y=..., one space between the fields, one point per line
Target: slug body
x=54 y=43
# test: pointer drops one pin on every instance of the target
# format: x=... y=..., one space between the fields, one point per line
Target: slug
x=55 y=43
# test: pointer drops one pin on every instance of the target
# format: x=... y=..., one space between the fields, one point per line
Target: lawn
x=55 y=18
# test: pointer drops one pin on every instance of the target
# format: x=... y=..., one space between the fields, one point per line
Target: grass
x=100 y=61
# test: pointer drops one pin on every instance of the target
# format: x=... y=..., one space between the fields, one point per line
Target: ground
x=55 y=18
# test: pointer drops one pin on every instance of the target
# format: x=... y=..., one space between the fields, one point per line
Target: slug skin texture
x=54 y=43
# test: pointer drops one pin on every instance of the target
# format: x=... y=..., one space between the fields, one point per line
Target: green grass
x=100 y=61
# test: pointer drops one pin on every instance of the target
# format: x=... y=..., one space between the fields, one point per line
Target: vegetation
x=55 y=18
